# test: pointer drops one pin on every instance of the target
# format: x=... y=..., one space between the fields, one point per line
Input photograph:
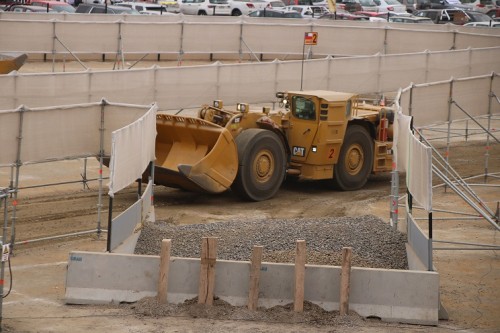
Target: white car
x=205 y=7
x=308 y=11
x=244 y=7
x=275 y=4
x=390 y=6
x=145 y=7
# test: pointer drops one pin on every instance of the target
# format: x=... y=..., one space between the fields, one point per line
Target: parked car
x=480 y=5
x=344 y=15
x=410 y=19
x=442 y=4
x=28 y=9
x=306 y=2
x=205 y=7
x=308 y=11
x=172 y=6
x=244 y=7
x=350 y=6
x=274 y=13
x=58 y=6
x=390 y=6
x=491 y=24
x=96 y=8
x=494 y=13
x=275 y=4
x=455 y=16
x=411 y=5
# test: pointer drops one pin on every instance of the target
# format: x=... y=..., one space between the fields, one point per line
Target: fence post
x=164 y=268
x=256 y=263
x=300 y=268
x=207 y=270
x=345 y=280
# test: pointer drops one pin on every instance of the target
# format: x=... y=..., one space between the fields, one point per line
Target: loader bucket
x=194 y=154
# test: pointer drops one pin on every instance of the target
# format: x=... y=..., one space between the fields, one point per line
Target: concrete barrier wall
x=392 y=295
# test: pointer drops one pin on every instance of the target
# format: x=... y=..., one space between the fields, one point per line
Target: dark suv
x=94 y=8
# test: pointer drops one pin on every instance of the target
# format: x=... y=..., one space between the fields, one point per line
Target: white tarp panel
x=273 y=38
x=415 y=159
x=419 y=173
x=401 y=139
x=184 y=87
x=139 y=39
x=465 y=40
x=404 y=41
x=50 y=89
x=288 y=75
x=255 y=82
x=72 y=131
x=137 y=88
x=349 y=41
x=213 y=38
x=133 y=148
x=442 y=65
x=9 y=136
x=430 y=104
x=89 y=37
x=471 y=96
x=483 y=61
x=359 y=75
x=401 y=68
x=21 y=36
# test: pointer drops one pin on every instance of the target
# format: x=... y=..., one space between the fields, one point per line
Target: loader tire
x=355 y=161
x=261 y=168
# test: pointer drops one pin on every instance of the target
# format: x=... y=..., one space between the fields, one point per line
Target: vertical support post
x=110 y=220
x=54 y=38
x=430 y=268
x=300 y=270
x=166 y=245
x=16 y=181
x=487 y=148
x=394 y=204
x=345 y=280
x=447 y=153
x=302 y=67
x=101 y=163
x=240 y=49
x=207 y=270
x=3 y=197
x=181 y=51
x=255 y=264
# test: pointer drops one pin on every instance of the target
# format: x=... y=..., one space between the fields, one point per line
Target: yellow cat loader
x=315 y=135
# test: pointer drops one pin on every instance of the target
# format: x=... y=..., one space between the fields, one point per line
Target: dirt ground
x=34 y=299
x=469 y=279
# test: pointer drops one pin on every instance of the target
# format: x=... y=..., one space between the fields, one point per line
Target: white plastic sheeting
x=451 y=100
x=415 y=159
x=54 y=133
x=133 y=148
x=174 y=88
x=187 y=35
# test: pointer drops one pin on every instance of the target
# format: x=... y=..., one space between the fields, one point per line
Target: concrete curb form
x=392 y=295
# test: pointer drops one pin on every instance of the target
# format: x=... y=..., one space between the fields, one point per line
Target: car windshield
x=67 y=9
x=367 y=3
x=479 y=17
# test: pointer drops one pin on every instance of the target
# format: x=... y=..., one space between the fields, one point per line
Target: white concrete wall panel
x=393 y=295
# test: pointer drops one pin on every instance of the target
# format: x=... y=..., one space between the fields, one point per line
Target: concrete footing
x=392 y=295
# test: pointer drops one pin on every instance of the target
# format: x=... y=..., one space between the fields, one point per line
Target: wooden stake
x=300 y=270
x=164 y=267
x=256 y=263
x=345 y=280
x=207 y=270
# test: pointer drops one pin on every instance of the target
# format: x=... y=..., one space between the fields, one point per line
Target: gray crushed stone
x=374 y=243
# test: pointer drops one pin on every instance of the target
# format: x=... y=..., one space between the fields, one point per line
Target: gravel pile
x=374 y=243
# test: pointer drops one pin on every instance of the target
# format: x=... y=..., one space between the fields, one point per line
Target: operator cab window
x=303 y=108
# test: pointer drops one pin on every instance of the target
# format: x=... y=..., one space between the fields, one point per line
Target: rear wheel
x=236 y=12
x=355 y=160
x=261 y=168
x=202 y=12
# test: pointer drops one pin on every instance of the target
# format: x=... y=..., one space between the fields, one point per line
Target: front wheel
x=236 y=12
x=355 y=161
x=261 y=168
